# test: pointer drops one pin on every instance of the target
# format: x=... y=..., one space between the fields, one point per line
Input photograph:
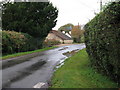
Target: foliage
x=82 y=39
x=13 y=42
x=102 y=38
x=76 y=33
x=76 y=73
x=67 y=27
x=50 y=42
x=34 y=18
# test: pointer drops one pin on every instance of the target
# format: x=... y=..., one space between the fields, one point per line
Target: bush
x=82 y=39
x=102 y=38
x=50 y=42
x=13 y=42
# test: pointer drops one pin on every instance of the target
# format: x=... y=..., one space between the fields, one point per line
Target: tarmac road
x=34 y=72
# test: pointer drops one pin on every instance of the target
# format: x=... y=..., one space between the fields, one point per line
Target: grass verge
x=77 y=73
x=25 y=53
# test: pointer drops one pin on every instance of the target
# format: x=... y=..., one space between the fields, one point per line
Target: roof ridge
x=61 y=35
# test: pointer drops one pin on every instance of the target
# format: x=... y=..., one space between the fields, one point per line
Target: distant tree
x=34 y=18
x=77 y=33
x=67 y=28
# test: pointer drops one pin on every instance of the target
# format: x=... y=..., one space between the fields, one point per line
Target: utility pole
x=78 y=25
x=100 y=5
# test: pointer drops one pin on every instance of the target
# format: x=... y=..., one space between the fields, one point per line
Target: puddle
x=25 y=72
x=59 y=65
x=70 y=53
x=63 y=48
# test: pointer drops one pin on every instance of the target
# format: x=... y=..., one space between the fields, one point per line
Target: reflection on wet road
x=25 y=73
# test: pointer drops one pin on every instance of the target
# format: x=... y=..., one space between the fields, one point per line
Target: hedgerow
x=52 y=42
x=13 y=42
x=102 y=39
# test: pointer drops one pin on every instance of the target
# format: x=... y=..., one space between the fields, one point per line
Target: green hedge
x=49 y=43
x=102 y=38
x=13 y=42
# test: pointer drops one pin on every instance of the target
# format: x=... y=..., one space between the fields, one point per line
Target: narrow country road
x=28 y=73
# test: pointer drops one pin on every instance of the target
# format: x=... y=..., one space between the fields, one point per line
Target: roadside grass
x=25 y=53
x=77 y=73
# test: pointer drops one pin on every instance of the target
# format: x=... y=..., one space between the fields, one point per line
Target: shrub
x=76 y=33
x=102 y=38
x=51 y=42
x=13 y=42
x=82 y=39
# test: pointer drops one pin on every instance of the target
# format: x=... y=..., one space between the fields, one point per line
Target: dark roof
x=60 y=35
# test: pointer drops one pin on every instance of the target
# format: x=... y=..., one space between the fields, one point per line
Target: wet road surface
x=26 y=73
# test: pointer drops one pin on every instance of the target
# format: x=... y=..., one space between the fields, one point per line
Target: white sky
x=74 y=11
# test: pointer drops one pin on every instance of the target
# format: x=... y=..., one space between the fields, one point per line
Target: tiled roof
x=60 y=35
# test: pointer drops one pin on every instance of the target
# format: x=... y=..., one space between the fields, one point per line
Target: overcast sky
x=74 y=11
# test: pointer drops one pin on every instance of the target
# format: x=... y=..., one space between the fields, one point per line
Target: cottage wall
x=53 y=36
x=68 y=41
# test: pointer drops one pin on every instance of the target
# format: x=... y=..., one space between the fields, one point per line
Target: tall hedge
x=102 y=39
x=13 y=42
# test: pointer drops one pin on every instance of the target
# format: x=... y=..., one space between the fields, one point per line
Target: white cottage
x=59 y=36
